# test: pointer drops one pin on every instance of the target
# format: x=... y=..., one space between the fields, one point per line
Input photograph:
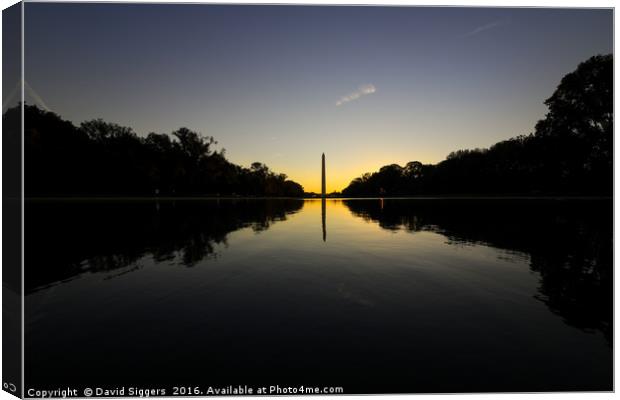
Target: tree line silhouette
x=100 y=158
x=570 y=151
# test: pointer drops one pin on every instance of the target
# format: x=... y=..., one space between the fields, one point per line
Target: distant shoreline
x=200 y=198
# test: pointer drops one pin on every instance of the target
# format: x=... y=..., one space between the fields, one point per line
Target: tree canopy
x=569 y=152
x=100 y=158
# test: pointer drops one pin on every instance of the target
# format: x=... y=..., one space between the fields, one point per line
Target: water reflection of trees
x=569 y=243
x=64 y=239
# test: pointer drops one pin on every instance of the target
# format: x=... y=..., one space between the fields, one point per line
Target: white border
x=23 y=97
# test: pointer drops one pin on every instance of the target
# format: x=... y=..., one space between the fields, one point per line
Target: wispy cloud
x=485 y=27
x=363 y=90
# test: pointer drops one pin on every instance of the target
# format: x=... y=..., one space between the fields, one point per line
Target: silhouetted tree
x=570 y=151
x=102 y=158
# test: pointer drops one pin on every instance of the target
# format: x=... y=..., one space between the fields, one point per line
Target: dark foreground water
x=371 y=295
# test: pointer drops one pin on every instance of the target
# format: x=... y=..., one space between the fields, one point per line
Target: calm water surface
x=371 y=295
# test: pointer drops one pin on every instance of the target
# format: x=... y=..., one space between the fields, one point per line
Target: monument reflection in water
x=404 y=295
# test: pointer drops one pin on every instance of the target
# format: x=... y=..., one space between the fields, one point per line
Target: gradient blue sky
x=412 y=83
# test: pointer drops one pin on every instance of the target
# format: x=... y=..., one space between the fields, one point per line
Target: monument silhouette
x=323 y=197
x=323 y=175
x=323 y=218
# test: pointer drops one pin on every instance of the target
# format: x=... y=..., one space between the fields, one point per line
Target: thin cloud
x=485 y=27
x=363 y=90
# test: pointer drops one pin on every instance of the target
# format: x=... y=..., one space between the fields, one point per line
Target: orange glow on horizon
x=338 y=177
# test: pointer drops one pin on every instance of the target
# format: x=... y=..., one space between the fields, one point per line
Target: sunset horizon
x=374 y=86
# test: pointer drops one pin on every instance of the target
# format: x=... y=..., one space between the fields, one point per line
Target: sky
x=367 y=86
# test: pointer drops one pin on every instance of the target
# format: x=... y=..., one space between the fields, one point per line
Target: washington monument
x=323 y=175
x=323 y=196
